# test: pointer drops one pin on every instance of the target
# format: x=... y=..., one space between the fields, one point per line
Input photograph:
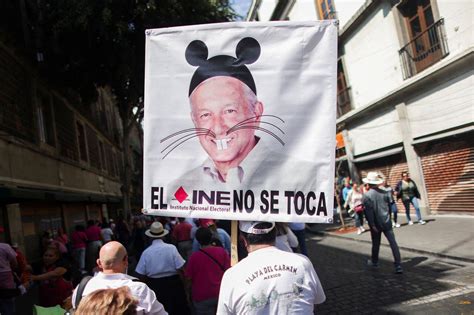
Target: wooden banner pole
x=234 y=256
x=340 y=212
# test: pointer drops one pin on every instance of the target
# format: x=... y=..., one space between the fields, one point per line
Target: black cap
x=247 y=52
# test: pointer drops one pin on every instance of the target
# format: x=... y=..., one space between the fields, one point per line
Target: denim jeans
x=390 y=236
x=359 y=218
x=301 y=236
x=394 y=211
x=414 y=202
x=80 y=258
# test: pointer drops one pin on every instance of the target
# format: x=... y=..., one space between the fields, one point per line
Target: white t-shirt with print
x=270 y=281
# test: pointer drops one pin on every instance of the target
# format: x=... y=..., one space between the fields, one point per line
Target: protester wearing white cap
x=160 y=266
x=268 y=280
x=377 y=212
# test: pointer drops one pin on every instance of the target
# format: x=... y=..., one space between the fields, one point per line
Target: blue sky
x=241 y=7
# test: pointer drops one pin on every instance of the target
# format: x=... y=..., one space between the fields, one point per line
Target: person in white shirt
x=285 y=240
x=106 y=232
x=161 y=266
x=298 y=229
x=113 y=261
x=268 y=280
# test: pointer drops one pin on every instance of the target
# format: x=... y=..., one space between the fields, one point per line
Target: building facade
x=60 y=163
x=405 y=96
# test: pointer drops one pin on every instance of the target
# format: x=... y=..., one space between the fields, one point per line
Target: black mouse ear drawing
x=247 y=51
x=196 y=53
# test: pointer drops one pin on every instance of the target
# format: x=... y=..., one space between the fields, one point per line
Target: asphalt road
x=429 y=285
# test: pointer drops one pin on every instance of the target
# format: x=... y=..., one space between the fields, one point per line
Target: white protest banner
x=240 y=121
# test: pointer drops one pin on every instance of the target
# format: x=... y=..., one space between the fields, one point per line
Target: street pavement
x=437 y=259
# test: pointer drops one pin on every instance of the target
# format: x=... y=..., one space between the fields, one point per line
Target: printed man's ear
x=258 y=110
x=192 y=118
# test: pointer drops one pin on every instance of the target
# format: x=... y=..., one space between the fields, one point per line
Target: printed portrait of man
x=218 y=104
x=226 y=114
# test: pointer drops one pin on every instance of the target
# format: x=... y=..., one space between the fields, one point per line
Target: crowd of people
x=169 y=265
x=158 y=265
x=351 y=194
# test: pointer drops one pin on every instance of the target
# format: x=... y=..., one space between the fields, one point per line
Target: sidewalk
x=446 y=236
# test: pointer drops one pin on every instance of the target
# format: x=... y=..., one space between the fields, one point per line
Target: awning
x=378 y=155
x=443 y=135
x=23 y=193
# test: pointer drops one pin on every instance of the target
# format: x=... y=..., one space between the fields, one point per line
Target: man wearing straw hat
x=160 y=266
x=377 y=211
x=269 y=280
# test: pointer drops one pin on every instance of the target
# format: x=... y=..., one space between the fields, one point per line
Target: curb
x=414 y=250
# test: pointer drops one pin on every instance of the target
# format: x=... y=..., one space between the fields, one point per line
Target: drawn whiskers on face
x=184 y=135
x=250 y=124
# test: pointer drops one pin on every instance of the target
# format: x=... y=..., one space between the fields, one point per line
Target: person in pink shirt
x=205 y=270
x=94 y=238
x=63 y=239
x=78 y=242
x=7 y=263
x=182 y=236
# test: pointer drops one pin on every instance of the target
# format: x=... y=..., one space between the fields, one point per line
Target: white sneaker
x=362 y=229
x=410 y=222
x=393 y=224
x=397 y=225
x=359 y=231
x=421 y=222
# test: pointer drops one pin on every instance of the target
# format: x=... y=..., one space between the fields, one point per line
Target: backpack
x=79 y=292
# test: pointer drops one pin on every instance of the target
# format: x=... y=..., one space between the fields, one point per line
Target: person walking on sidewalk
x=299 y=229
x=79 y=243
x=161 y=267
x=94 y=242
x=354 y=202
x=204 y=272
x=182 y=236
x=406 y=190
x=377 y=211
x=8 y=263
x=393 y=204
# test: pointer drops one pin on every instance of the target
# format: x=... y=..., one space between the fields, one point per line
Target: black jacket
x=376 y=209
x=398 y=189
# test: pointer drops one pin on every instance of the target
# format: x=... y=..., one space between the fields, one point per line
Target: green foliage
x=88 y=43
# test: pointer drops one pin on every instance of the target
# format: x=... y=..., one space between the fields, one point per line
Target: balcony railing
x=343 y=102
x=424 y=50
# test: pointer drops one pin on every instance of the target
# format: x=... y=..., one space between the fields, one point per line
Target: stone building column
x=413 y=160
x=15 y=226
x=350 y=157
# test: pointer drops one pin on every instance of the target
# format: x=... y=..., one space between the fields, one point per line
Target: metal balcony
x=427 y=48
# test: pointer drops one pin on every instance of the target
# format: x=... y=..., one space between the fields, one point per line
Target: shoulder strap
x=215 y=260
x=80 y=290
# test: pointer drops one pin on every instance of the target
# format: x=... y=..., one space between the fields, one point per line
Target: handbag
x=359 y=208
